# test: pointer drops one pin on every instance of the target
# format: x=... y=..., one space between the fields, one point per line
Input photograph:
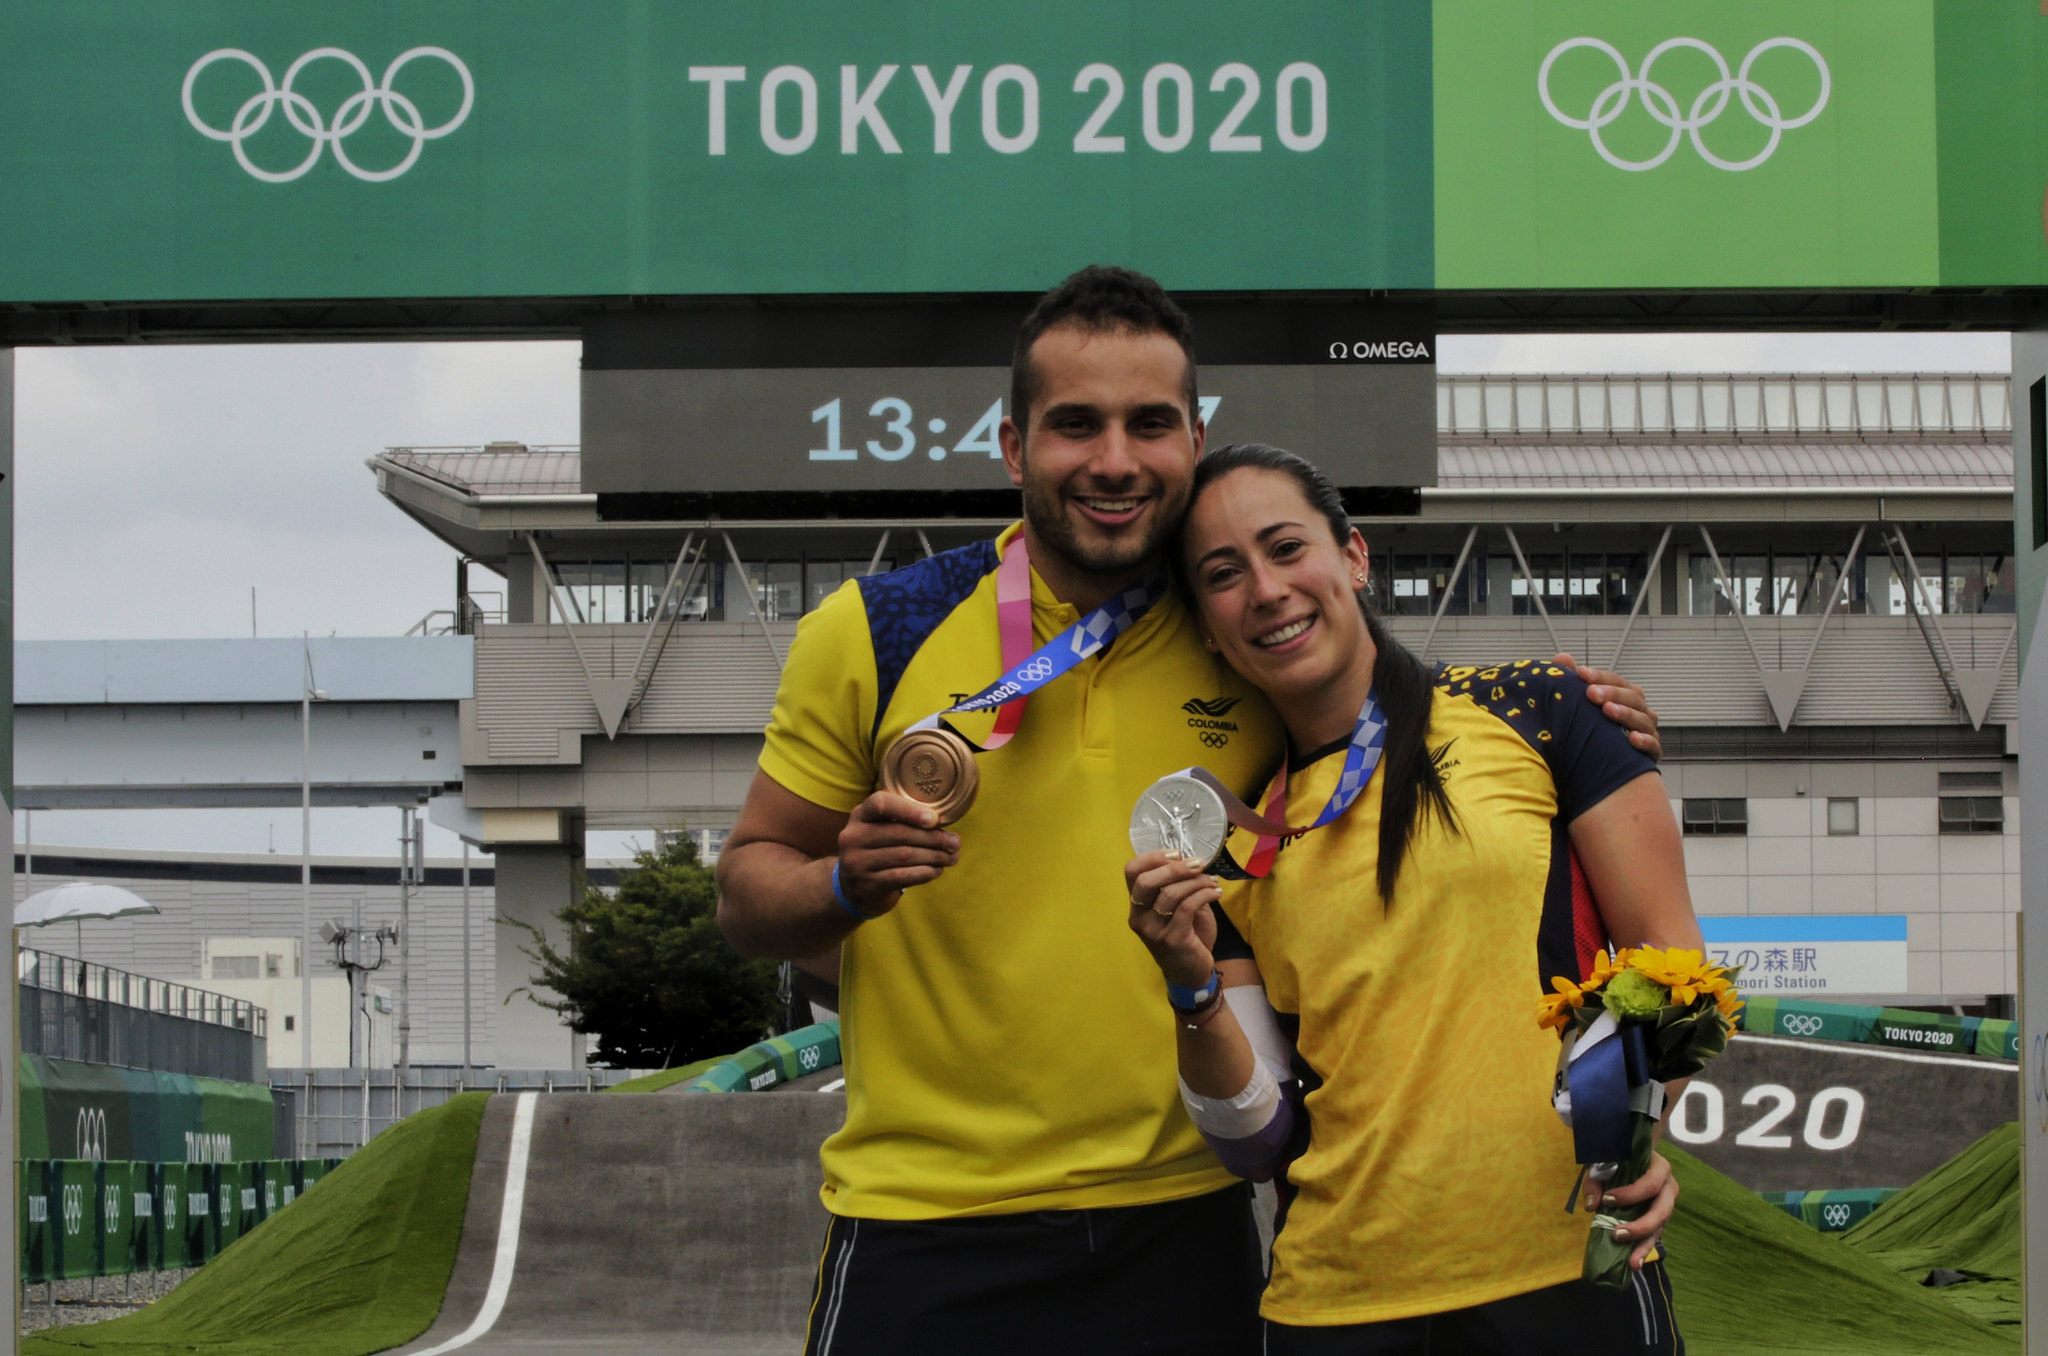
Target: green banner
x=1831 y=1212
x=527 y=147
x=38 y=1243
x=73 y=1109
x=245 y=149
x=1746 y=143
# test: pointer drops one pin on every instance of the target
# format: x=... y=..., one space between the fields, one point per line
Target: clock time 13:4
x=898 y=427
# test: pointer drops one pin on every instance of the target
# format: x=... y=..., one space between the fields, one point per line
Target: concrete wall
x=1960 y=892
x=2030 y=364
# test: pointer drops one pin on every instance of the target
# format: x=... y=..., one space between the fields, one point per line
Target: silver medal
x=1183 y=816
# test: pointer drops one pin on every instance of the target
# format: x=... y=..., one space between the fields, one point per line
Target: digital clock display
x=659 y=418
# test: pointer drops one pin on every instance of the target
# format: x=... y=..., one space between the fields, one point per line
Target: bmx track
x=690 y=1225
x=608 y=1224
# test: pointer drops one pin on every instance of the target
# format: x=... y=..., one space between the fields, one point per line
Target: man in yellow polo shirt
x=1015 y=1172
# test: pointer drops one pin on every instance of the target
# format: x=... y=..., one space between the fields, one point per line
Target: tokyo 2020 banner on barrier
x=202 y=149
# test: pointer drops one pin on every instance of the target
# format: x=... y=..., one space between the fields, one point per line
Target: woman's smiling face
x=1276 y=591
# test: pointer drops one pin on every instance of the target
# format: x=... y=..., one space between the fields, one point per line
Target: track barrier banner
x=1831 y=1212
x=778 y=1059
x=1939 y=1033
x=82 y=1218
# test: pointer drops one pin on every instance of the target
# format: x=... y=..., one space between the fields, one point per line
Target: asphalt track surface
x=664 y=1225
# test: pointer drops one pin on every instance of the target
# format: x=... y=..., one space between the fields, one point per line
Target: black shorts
x=1572 y=1319
x=1176 y=1279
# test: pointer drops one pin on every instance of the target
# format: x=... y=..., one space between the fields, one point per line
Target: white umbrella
x=76 y=902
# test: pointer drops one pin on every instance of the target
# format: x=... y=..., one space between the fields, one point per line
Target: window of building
x=823 y=577
x=1579 y=583
x=235 y=967
x=289 y=1024
x=1973 y=814
x=708 y=842
x=1844 y=816
x=1981 y=812
x=1716 y=815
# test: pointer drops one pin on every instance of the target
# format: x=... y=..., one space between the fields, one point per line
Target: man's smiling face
x=1109 y=449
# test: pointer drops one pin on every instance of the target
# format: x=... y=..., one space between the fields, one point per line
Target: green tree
x=648 y=972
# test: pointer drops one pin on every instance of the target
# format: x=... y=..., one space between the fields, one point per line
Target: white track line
x=1909 y=1056
x=508 y=1230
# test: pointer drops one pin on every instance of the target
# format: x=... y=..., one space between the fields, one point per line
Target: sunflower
x=1604 y=969
x=1553 y=1010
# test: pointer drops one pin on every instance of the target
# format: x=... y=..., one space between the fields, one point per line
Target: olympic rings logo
x=1037 y=671
x=1802 y=1024
x=92 y=1134
x=402 y=113
x=1836 y=1216
x=1663 y=106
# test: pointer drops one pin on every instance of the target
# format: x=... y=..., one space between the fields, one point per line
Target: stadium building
x=1811 y=576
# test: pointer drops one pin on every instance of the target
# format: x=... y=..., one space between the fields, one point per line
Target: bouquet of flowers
x=1643 y=1018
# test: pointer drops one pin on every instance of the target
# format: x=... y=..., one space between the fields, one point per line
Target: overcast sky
x=156 y=486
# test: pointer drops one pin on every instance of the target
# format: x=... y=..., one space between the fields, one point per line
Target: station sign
x=843 y=398
x=243 y=149
x=1811 y=955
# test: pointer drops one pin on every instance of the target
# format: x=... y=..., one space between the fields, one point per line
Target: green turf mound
x=355 y=1266
x=1749 y=1280
x=1964 y=1216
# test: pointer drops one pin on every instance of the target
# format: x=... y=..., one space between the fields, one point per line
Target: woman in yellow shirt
x=1402 y=1094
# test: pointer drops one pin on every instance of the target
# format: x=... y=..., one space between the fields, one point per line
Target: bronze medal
x=935 y=767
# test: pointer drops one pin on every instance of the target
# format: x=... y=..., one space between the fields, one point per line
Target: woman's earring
x=1359 y=577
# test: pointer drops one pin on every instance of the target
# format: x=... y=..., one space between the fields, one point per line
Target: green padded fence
x=81 y=1218
x=74 y=1110
x=778 y=1059
x=1934 y=1032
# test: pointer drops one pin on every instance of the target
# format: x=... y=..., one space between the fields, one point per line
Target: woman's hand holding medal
x=1170 y=899
x=891 y=843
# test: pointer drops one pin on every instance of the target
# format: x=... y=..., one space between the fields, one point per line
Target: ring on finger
x=1163 y=913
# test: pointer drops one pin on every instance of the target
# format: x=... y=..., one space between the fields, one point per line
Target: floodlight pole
x=10 y=1003
x=411 y=873
x=306 y=855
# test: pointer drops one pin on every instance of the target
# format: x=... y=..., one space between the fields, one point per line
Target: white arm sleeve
x=1251 y=1110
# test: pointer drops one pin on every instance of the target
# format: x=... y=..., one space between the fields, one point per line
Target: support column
x=10 y=1057
x=534 y=882
x=2030 y=550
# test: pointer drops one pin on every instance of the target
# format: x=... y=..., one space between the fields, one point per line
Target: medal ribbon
x=1026 y=671
x=1361 y=760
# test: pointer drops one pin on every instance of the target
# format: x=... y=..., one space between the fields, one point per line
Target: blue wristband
x=839 y=897
x=1190 y=1000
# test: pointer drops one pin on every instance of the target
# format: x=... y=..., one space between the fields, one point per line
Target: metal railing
x=73 y=1009
x=1973 y=404
x=341 y=1110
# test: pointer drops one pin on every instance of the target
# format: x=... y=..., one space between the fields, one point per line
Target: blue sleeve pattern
x=1589 y=756
x=905 y=606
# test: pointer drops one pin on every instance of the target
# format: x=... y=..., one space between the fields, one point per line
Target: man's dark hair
x=1101 y=298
